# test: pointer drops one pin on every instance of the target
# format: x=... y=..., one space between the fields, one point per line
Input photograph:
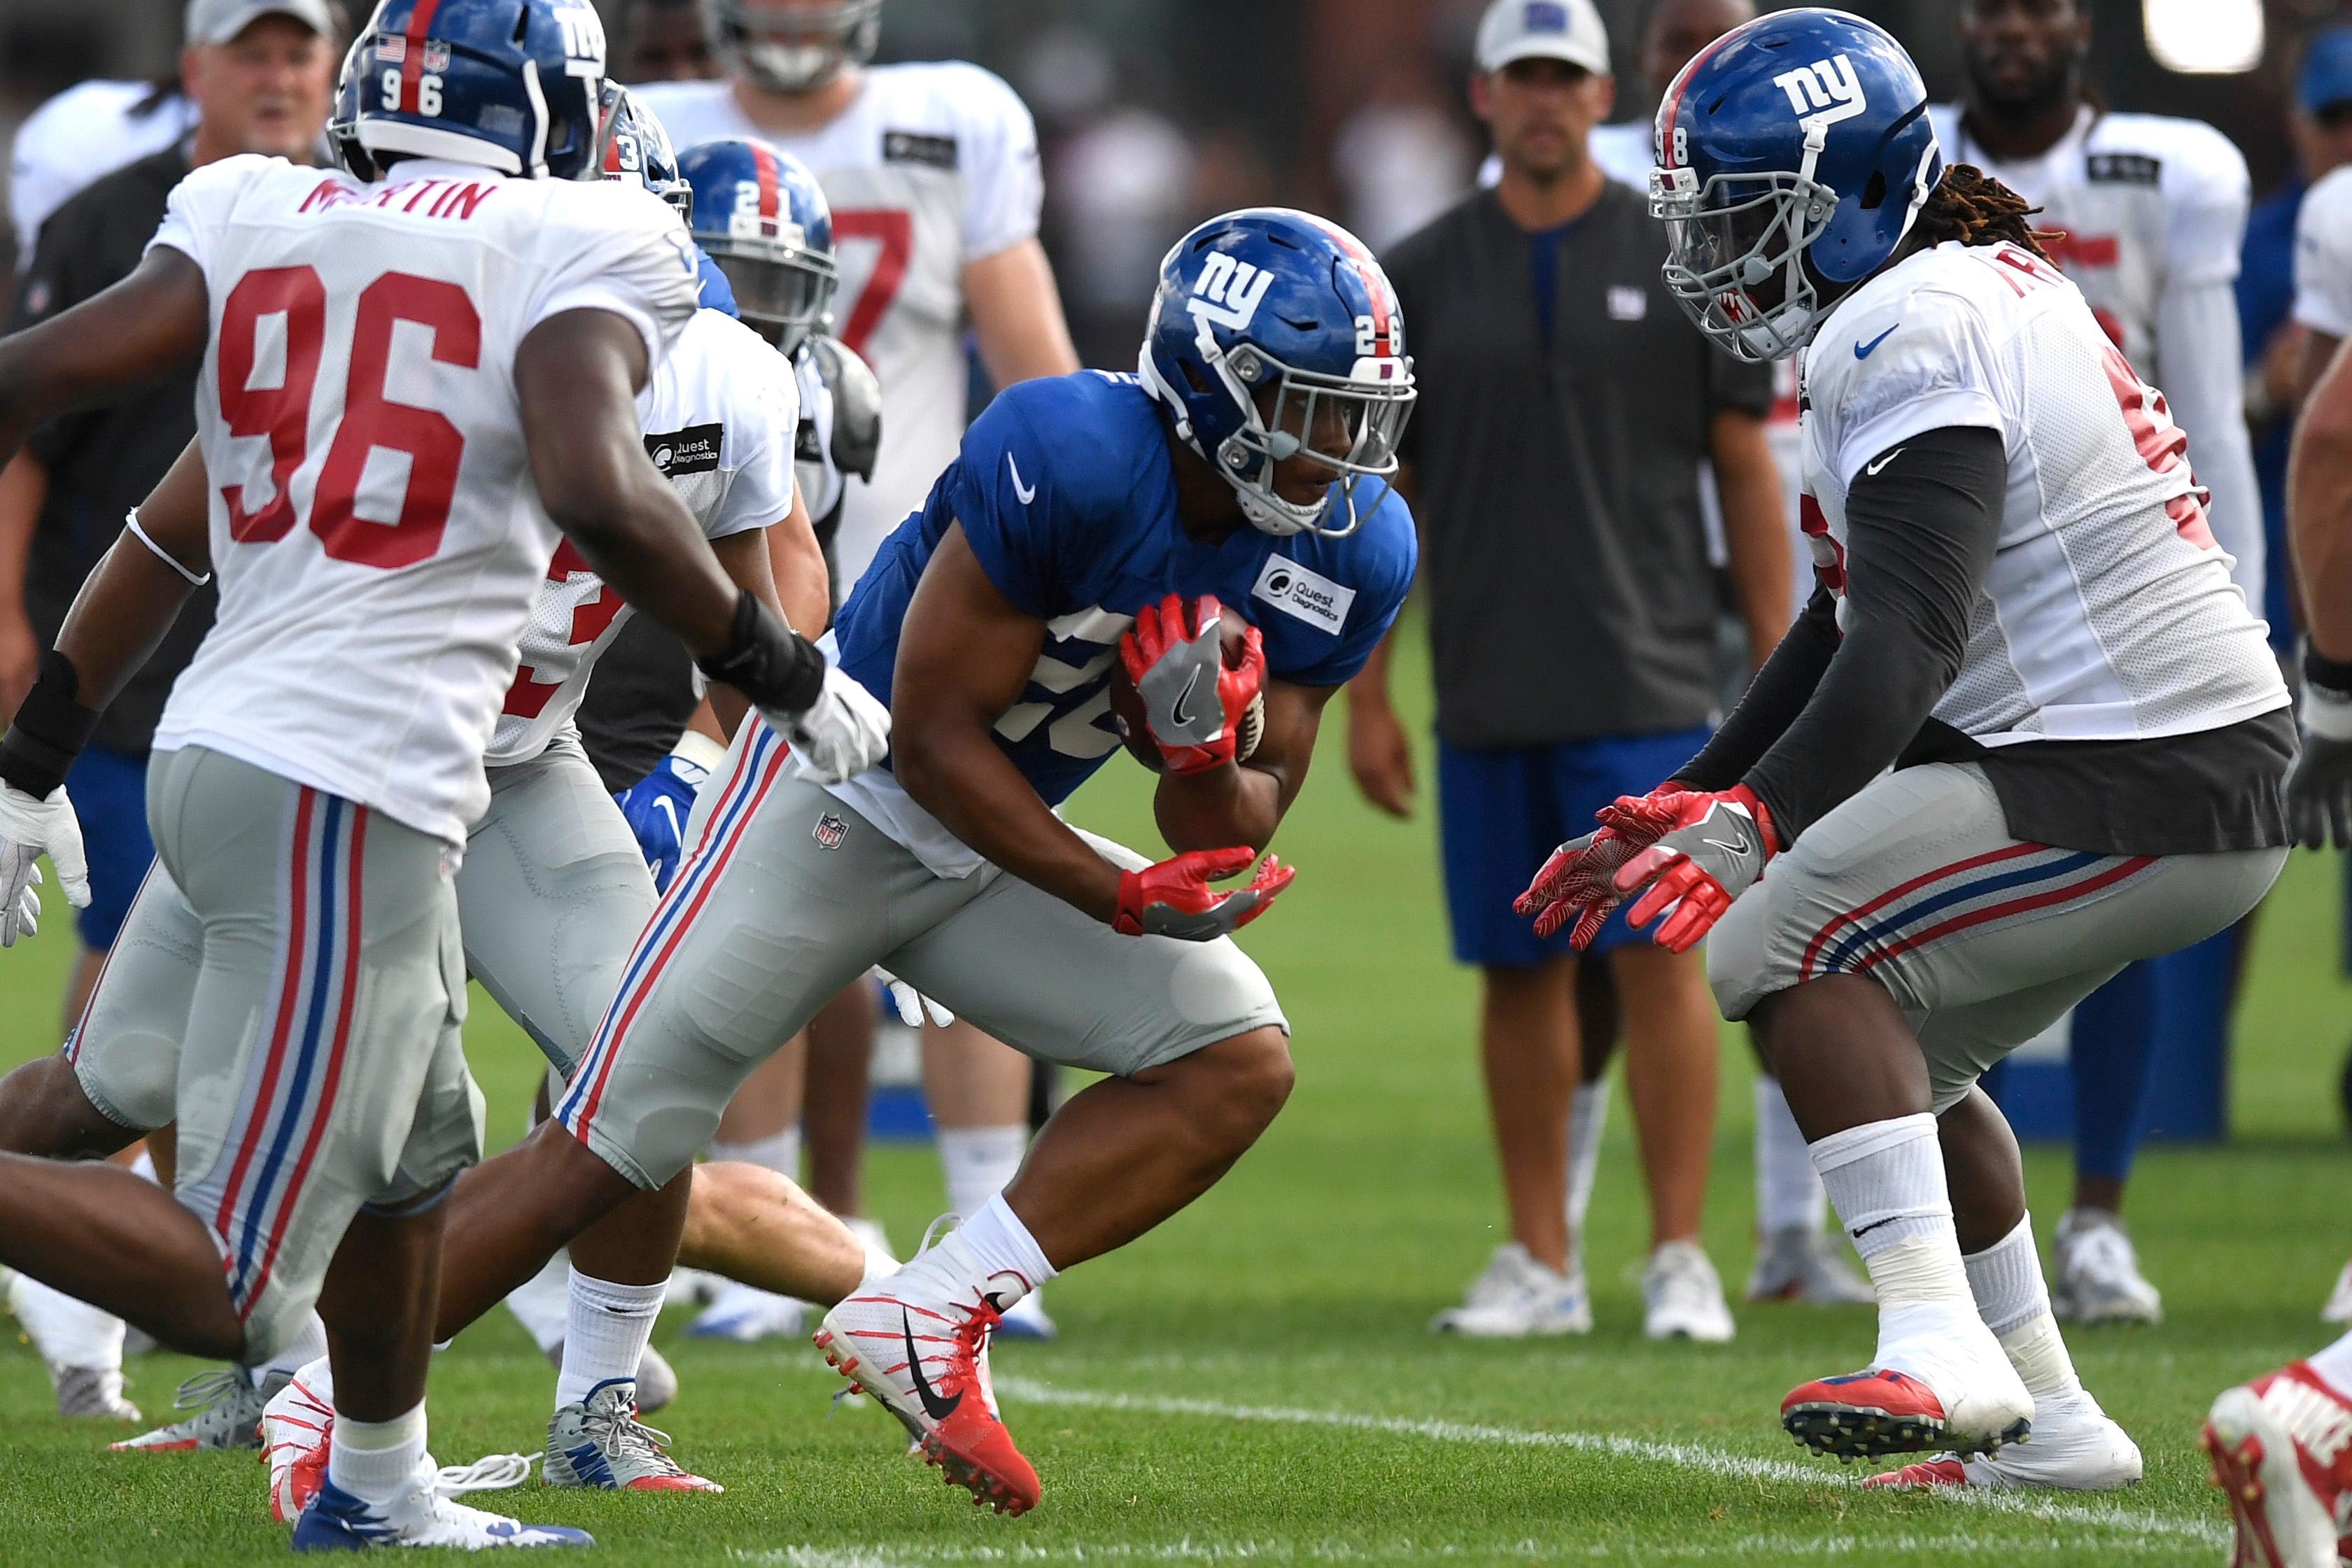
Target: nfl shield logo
x=436 y=55
x=829 y=831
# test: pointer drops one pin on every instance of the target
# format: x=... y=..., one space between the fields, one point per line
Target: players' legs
x=840 y=1058
x=978 y=1090
x=1905 y=944
x=110 y=797
x=1527 y=1047
x=760 y=1130
x=1587 y=1110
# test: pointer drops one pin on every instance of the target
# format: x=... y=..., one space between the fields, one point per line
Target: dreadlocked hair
x=1972 y=207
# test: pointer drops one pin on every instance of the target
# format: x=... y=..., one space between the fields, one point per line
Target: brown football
x=1127 y=703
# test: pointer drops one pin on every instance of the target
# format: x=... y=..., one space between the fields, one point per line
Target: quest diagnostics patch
x=1309 y=596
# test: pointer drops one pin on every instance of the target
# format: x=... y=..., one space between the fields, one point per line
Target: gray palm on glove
x=2319 y=785
x=845 y=732
x=31 y=827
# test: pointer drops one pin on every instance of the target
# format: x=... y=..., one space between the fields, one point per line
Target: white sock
x=607 y=1329
x=376 y=1461
x=778 y=1152
x=1587 y=1113
x=1000 y=1242
x=66 y=1332
x=1886 y=1180
x=2333 y=1365
x=2014 y=1302
x=978 y=1162
x=1788 y=1193
x=542 y=1303
x=305 y=1347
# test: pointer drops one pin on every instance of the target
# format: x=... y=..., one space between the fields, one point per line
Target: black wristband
x=773 y=666
x=2325 y=672
x=49 y=730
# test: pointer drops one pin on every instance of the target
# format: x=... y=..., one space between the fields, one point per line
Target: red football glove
x=1174 y=898
x=1716 y=848
x=1192 y=702
x=1580 y=878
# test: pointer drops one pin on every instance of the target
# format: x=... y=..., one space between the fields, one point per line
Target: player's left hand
x=1714 y=851
x=841 y=735
x=1173 y=898
x=31 y=827
x=1192 y=703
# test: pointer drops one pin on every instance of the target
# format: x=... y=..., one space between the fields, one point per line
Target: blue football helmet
x=637 y=150
x=1793 y=154
x=792 y=49
x=343 y=118
x=511 y=84
x=1275 y=334
x=763 y=217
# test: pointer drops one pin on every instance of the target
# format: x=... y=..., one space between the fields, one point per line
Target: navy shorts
x=108 y=790
x=1500 y=813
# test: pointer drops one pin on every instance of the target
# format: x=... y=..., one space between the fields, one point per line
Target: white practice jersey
x=2108 y=613
x=2322 y=256
x=821 y=483
x=933 y=165
x=374 y=526
x=720 y=416
x=83 y=134
x=2150 y=212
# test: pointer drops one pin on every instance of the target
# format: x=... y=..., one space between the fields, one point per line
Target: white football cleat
x=2338 y=1309
x=295 y=1427
x=423 y=1515
x=2095 y=1272
x=2281 y=1452
x=917 y=1341
x=744 y=1315
x=1517 y=1297
x=2076 y=1447
x=92 y=1393
x=1681 y=1297
x=1946 y=1385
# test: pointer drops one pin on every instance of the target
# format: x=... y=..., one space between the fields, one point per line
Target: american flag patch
x=391 y=50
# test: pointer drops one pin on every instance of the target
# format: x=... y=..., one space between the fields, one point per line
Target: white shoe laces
x=491 y=1472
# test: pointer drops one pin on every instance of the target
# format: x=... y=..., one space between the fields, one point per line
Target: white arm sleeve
x=2196 y=355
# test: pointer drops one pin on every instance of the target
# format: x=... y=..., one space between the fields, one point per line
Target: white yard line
x=1681 y=1456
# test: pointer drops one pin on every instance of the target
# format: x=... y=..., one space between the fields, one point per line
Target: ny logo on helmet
x=1227 y=292
x=1822 y=93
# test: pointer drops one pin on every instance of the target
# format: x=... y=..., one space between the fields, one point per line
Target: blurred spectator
x=87 y=131
x=1122 y=190
x=1566 y=406
x=1400 y=160
x=259 y=73
x=2149 y=212
x=664 y=40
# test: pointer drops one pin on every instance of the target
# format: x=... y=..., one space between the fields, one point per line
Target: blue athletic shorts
x=108 y=790
x=1501 y=812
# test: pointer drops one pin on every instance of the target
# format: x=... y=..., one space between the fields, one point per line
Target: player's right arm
x=2319 y=533
x=152 y=325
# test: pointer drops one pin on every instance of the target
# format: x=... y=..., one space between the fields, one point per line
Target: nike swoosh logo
x=1730 y=848
x=1181 y=710
x=1027 y=493
x=1870 y=469
x=1861 y=351
x=937 y=1408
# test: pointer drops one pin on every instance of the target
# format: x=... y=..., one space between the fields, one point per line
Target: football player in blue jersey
x=1217 y=531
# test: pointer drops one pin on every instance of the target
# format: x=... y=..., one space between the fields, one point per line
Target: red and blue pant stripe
x=1967 y=895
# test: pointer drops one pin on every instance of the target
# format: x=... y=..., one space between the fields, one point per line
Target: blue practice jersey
x=1067 y=491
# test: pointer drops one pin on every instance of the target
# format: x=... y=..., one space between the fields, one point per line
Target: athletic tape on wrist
x=49 y=731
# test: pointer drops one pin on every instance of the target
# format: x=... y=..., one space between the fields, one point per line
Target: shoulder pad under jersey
x=856 y=405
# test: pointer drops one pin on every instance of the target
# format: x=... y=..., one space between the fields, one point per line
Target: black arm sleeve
x=1772 y=701
x=1921 y=525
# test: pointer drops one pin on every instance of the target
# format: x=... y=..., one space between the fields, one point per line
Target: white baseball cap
x=218 y=21
x=1567 y=30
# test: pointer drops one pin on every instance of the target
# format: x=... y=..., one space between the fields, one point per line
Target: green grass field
x=1255 y=1381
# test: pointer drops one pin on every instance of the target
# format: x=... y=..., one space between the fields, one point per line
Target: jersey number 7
x=370 y=421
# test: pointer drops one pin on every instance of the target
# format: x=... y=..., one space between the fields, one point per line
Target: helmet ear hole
x=1874 y=192
x=1194 y=379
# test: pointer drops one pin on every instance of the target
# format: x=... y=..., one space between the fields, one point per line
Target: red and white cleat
x=296 y=1427
x=1868 y=1414
x=917 y=1341
x=2279 y=1447
x=2076 y=1447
